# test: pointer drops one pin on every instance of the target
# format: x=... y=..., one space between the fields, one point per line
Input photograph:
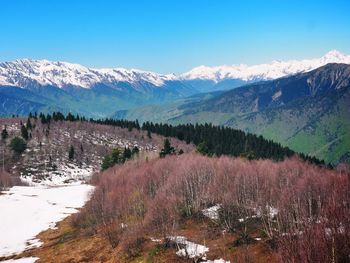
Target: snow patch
x=30 y=210
x=277 y=95
x=216 y=261
x=192 y=250
x=212 y=212
x=187 y=248
x=21 y=260
x=65 y=174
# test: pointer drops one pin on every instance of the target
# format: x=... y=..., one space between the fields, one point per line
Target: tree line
x=209 y=139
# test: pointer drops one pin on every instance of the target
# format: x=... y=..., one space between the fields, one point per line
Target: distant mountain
x=206 y=78
x=92 y=92
x=30 y=73
x=309 y=112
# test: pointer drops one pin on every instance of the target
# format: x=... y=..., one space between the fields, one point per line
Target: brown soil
x=67 y=244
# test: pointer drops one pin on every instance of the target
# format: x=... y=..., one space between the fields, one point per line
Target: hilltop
x=46 y=157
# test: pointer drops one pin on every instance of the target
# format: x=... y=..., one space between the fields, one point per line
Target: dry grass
x=68 y=244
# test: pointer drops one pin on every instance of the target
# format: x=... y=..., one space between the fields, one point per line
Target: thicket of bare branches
x=304 y=210
x=7 y=180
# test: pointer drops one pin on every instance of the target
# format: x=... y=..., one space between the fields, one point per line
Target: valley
x=307 y=112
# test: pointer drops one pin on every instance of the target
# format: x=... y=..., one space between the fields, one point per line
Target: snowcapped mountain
x=41 y=85
x=24 y=72
x=274 y=70
x=45 y=86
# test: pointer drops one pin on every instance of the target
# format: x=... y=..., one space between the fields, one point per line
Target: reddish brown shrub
x=301 y=207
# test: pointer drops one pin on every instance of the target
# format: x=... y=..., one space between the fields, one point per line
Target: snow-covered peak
x=27 y=72
x=275 y=69
x=62 y=74
x=334 y=54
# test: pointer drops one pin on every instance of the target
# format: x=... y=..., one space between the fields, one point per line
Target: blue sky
x=172 y=36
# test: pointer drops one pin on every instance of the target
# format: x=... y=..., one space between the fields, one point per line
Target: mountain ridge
x=26 y=73
x=266 y=71
x=308 y=112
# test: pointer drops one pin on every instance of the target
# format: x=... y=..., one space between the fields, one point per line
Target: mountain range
x=150 y=87
x=308 y=112
x=303 y=104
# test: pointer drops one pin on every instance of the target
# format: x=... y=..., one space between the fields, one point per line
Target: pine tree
x=127 y=153
x=29 y=124
x=149 y=134
x=202 y=148
x=4 y=134
x=167 y=149
x=42 y=118
x=135 y=150
x=18 y=145
x=24 y=132
x=71 y=153
x=106 y=163
x=116 y=156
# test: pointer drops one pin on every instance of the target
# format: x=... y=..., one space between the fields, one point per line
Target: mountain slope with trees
x=307 y=112
x=57 y=149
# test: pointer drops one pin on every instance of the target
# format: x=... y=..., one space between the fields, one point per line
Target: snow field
x=26 y=211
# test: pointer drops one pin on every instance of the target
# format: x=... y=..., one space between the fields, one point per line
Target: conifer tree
x=149 y=134
x=18 y=145
x=116 y=156
x=4 y=133
x=106 y=162
x=29 y=124
x=24 y=132
x=127 y=153
x=71 y=153
x=167 y=149
x=135 y=150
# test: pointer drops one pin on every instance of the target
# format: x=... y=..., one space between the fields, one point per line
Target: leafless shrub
x=302 y=208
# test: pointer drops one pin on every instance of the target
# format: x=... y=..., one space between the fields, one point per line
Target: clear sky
x=172 y=35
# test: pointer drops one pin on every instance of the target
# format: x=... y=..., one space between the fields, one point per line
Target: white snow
x=216 y=261
x=65 y=174
x=156 y=240
x=21 y=260
x=192 y=250
x=212 y=212
x=270 y=210
x=26 y=211
x=277 y=95
x=274 y=70
x=24 y=72
x=61 y=74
